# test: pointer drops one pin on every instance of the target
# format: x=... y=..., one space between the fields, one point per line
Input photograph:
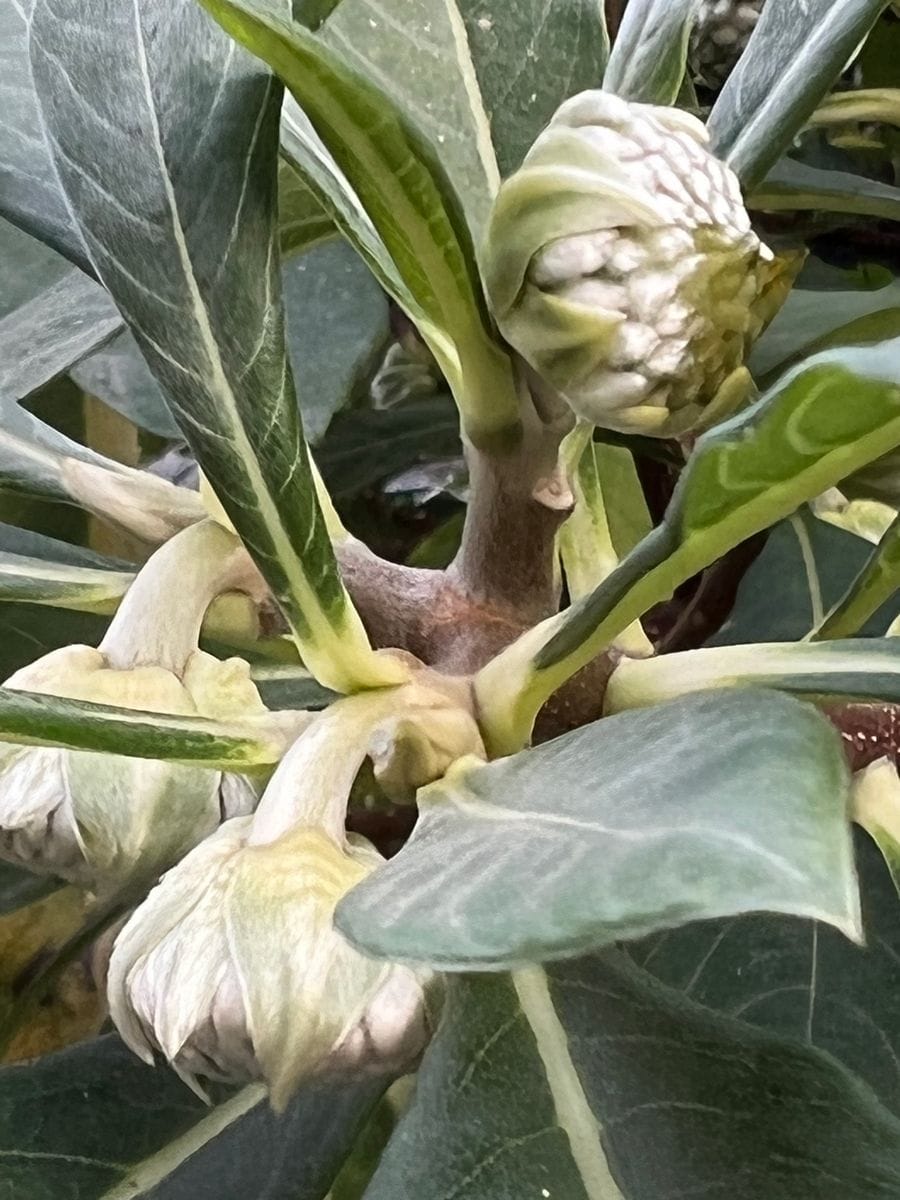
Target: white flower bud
x=233 y=970
x=97 y=819
x=620 y=263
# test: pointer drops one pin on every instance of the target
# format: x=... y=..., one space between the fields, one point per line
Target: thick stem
x=158 y=623
x=519 y=497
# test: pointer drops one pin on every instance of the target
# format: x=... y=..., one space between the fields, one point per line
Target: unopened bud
x=620 y=263
x=232 y=968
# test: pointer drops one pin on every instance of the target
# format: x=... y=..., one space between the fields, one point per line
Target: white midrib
x=299 y=584
x=147 y=1174
x=573 y=1112
x=483 y=139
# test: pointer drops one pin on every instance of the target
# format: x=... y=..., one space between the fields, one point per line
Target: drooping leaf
x=728 y=802
x=94 y=1123
x=34 y=719
x=591 y=1081
x=650 y=51
x=30 y=195
x=799 y=439
x=792 y=185
x=794 y=56
x=53 y=332
x=197 y=281
x=395 y=174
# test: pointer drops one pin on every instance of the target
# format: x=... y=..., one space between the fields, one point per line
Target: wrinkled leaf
x=717 y=803
x=794 y=56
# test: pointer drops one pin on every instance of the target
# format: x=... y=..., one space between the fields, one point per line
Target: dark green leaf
x=775 y=599
x=119 y=376
x=594 y=1082
x=366 y=446
x=422 y=59
x=94 y=1123
x=30 y=195
x=302 y=222
x=650 y=51
x=27 y=267
x=876 y=584
x=337 y=326
x=196 y=281
x=53 y=332
x=312 y=13
x=801 y=979
x=284 y=687
x=529 y=57
x=396 y=176
x=725 y=802
x=794 y=56
x=34 y=719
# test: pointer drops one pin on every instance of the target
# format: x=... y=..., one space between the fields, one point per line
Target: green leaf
x=94 y=1123
x=395 y=174
x=809 y=316
x=27 y=267
x=53 y=332
x=118 y=375
x=529 y=57
x=794 y=56
x=804 y=569
x=302 y=221
x=423 y=61
x=861 y=668
x=797 y=186
x=60 y=585
x=30 y=195
x=876 y=583
x=364 y=446
x=800 y=979
x=337 y=328
x=196 y=282
x=799 y=439
x=284 y=687
x=312 y=13
x=716 y=804
x=650 y=51
x=33 y=719
x=591 y=1081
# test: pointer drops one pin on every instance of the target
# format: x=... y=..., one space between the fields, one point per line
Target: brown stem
x=519 y=497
